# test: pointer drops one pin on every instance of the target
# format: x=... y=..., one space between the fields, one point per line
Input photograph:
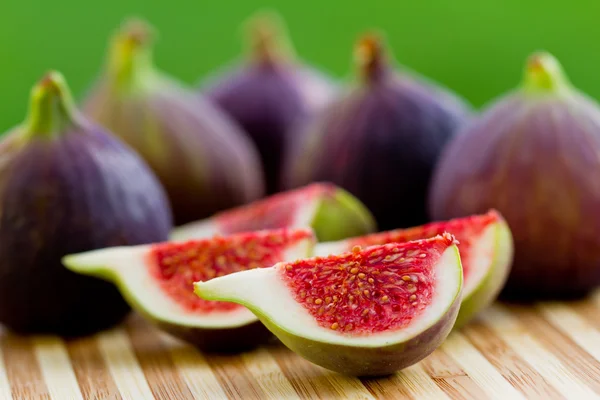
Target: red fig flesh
x=486 y=251
x=157 y=280
x=371 y=311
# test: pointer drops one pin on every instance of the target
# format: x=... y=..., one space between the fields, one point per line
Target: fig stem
x=543 y=73
x=52 y=107
x=370 y=57
x=130 y=55
x=268 y=41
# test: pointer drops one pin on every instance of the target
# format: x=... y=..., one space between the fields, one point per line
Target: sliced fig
x=365 y=312
x=157 y=280
x=486 y=252
x=330 y=211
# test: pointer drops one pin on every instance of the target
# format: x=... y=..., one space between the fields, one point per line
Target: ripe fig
x=67 y=185
x=157 y=280
x=330 y=211
x=270 y=93
x=532 y=155
x=204 y=161
x=365 y=312
x=486 y=252
x=380 y=139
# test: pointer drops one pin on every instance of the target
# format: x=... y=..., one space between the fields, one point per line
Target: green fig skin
x=67 y=185
x=339 y=215
x=366 y=362
x=491 y=286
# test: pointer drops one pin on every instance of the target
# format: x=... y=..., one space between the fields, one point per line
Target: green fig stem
x=544 y=74
x=369 y=55
x=269 y=43
x=52 y=107
x=130 y=56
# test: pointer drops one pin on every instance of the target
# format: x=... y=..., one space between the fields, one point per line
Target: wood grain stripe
x=5 y=393
x=268 y=375
x=573 y=357
x=549 y=366
x=119 y=357
x=56 y=368
x=450 y=377
x=24 y=375
x=573 y=326
x=509 y=363
x=479 y=368
x=413 y=382
x=313 y=382
x=194 y=370
x=234 y=377
x=91 y=371
x=163 y=379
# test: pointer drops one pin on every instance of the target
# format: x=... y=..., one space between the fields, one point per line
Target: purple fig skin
x=70 y=190
x=226 y=340
x=202 y=158
x=269 y=96
x=380 y=141
x=533 y=155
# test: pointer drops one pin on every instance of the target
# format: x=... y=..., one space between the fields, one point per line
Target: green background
x=476 y=47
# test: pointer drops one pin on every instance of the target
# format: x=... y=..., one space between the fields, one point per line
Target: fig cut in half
x=331 y=212
x=157 y=280
x=486 y=252
x=367 y=312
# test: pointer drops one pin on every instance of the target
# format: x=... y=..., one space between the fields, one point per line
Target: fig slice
x=331 y=212
x=486 y=252
x=367 y=312
x=157 y=281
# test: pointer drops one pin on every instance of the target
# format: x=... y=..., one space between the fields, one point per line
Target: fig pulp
x=68 y=186
x=204 y=161
x=157 y=280
x=486 y=251
x=371 y=311
x=331 y=212
x=270 y=94
x=532 y=155
x=380 y=139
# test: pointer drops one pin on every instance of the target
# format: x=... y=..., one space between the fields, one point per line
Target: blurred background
x=475 y=47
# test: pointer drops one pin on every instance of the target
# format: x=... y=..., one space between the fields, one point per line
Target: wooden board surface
x=546 y=351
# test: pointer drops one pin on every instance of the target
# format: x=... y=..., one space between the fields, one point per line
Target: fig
x=67 y=185
x=367 y=312
x=157 y=280
x=380 y=139
x=532 y=155
x=330 y=211
x=204 y=161
x=486 y=252
x=270 y=93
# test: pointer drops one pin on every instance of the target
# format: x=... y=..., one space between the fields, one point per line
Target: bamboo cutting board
x=546 y=351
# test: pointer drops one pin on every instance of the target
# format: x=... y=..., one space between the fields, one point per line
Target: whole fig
x=533 y=155
x=67 y=185
x=380 y=139
x=271 y=93
x=204 y=161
